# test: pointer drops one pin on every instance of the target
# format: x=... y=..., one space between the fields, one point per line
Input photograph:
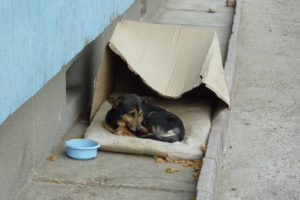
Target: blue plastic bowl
x=81 y=149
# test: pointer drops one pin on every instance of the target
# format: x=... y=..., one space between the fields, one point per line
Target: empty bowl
x=81 y=149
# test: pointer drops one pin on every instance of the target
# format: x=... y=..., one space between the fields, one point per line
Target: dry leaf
x=194 y=164
x=171 y=170
x=231 y=3
x=52 y=157
x=193 y=198
x=159 y=159
x=212 y=10
x=185 y=163
x=197 y=165
x=58 y=181
x=203 y=147
x=195 y=176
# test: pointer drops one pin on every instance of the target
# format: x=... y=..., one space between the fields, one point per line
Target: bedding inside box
x=195 y=114
x=194 y=108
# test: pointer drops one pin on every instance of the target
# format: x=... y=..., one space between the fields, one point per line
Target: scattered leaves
x=197 y=167
x=171 y=170
x=52 y=157
x=195 y=164
x=168 y=159
x=159 y=159
x=196 y=175
x=185 y=163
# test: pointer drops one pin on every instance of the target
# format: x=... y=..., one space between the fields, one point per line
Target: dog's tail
x=167 y=137
x=149 y=136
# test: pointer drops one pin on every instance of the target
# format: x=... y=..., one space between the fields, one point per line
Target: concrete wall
x=38 y=37
x=28 y=136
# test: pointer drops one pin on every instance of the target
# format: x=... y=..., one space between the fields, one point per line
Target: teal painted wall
x=37 y=37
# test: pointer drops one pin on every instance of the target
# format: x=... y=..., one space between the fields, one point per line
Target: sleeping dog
x=132 y=115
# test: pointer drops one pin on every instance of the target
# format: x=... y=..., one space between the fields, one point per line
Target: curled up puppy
x=132 y=115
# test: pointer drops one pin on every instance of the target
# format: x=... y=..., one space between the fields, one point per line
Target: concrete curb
x=207 y=183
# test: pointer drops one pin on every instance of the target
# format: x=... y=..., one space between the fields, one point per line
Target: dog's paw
x=144 y=130
x=123 y=131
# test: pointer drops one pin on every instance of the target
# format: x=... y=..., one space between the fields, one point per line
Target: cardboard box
x=168 y=62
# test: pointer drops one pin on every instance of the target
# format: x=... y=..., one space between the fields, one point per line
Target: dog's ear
x=147 y=99
x=114 y=101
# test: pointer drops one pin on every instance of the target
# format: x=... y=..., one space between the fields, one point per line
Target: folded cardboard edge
x=211 y=74
x=214 y=78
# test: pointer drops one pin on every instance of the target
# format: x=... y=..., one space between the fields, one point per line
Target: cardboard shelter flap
x=171 y=59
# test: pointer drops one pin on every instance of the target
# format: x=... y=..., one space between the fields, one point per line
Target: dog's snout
x=139 y=127
x=134 y=128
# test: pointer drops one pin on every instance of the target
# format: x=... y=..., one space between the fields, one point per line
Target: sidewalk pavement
x=120 y=176
x=262 y=160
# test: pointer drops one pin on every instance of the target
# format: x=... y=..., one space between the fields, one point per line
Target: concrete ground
x=262 y=160
x=109 y=176
x=120 y=176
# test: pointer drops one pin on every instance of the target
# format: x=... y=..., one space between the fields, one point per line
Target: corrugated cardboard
x=170 y=59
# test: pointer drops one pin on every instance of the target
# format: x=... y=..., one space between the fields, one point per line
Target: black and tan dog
x=132 y=115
